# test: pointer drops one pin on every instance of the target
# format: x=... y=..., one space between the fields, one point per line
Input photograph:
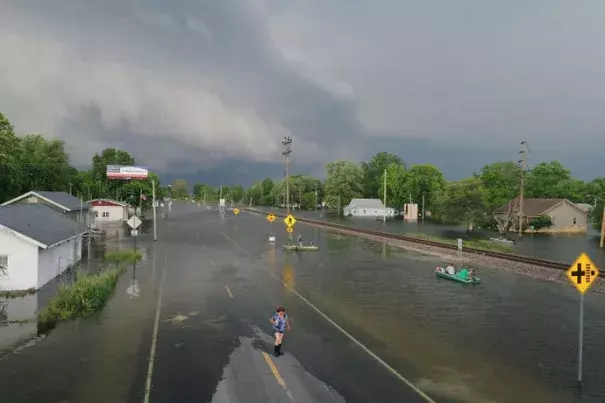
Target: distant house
x=565 y=215
x=105 y=210
x=37 y=244
x=63 y=202
x=367 y=208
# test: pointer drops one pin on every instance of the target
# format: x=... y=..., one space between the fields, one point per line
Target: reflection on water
x=17 y=321
x=502 y=341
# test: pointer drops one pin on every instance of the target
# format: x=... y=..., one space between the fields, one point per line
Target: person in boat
x=280 y=324
x=471 y=274
x=450 y=269
x=312 y=243
x=463 y=274
x=299 y=239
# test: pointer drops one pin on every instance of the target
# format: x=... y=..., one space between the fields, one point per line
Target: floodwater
x=560 y=247
x=510 y=339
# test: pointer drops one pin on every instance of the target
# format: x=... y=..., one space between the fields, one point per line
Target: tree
x=373 y=170
x=397 y=190
x=501 y=181
x=425 y=180
x=544 y=180
x=308 y=201
x=596 y=216
x=180 y=188
x=343 y=182
x=10 y=183
x=463 y=202
x=98 y=183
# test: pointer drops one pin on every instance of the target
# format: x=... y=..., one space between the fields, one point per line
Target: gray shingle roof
x=64 y=199
x=39 y=222
x=366 y=203
x=534 y=207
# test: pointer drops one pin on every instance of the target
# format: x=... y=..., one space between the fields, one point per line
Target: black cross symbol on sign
x=578 y=273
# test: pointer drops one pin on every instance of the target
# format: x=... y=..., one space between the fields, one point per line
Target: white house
x=37 y=244
x=63 y=202
x=108 y=210
x=367 y=208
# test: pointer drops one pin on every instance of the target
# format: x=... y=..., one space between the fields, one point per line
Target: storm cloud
x=208 y=81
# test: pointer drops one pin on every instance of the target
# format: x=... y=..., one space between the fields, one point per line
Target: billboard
x=126 y=172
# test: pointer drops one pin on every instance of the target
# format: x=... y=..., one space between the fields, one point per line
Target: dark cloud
x=189 y=85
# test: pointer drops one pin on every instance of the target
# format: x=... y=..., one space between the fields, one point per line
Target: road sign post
x=582 y=274
x=290 y=221
x=459 y=246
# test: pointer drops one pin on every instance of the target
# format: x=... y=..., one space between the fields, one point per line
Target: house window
x=574 y=221
x=3 y=266
x=96 y=214
x=105 y=214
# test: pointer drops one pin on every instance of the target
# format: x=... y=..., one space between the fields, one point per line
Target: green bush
x=123 y=256
x=83 y=299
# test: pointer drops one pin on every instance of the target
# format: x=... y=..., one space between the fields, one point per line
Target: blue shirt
x=279 y=322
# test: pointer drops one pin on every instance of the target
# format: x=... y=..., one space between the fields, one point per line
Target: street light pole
x=523 y=163
x=287 y=143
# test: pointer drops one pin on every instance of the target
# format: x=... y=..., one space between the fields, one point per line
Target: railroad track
x=500 y=255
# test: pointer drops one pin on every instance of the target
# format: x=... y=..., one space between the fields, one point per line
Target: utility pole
x=70 y=188
x=299 y=198
x=315 y=196
x=205 y=192
x=423 y=207
x=155 y=229
x=523 y=164
x=287 y=143
x=384 y=215
x=339 y=206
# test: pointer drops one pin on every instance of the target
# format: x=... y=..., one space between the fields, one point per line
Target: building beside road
x=63 y=202
x=566 y=217
x=105 y=210
x=367 y=208
x=37 y=243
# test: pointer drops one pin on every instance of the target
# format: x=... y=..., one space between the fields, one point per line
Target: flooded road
x=560 y=247
x=220 y=281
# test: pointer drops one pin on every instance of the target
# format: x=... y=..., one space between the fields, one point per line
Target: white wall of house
x=54 y=261
x=109 y=213
x=361 y=211
x=22 y=262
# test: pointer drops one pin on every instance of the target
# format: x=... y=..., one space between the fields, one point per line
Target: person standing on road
x=280 y=324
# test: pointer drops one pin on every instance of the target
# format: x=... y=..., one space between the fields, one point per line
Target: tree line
x=31 y=162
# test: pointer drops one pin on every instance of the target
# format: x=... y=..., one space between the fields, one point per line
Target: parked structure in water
x=368 y=208
x=37 y=244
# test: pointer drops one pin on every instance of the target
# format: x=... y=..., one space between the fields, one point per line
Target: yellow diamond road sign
x=290 y=220
x=270 y=217
x=236 y=211
x=583 y=273
x=289 y=229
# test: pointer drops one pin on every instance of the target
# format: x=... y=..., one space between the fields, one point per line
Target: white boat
x=502 y=240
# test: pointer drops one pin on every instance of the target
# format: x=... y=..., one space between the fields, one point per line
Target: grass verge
x=477 y=244
x=88 y=294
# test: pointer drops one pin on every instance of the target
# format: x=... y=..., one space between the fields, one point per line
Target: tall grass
x=477 y=243
x=88 y=294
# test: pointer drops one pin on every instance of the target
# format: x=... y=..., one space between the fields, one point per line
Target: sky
x=207 y=89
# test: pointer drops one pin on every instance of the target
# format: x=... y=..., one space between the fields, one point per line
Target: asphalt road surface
x=221 y=283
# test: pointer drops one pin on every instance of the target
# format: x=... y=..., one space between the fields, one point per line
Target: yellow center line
x=229 y=291
x=273 y=368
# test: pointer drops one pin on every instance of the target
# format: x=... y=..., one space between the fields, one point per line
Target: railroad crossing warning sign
x=235 y=211
x=270 y=217
x=290 y=221
x=583 y=273
x=289 y=229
